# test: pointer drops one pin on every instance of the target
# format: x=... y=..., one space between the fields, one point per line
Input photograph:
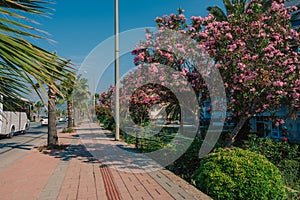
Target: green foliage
x=104 y=114
x=239 y=174
x=148 y=141
x=282 y=154
x=275 y=151
x=186 y=165
x=68 y=130
x=23 y=64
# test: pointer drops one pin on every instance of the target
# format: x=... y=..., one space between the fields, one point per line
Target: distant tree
x=67 y=88
x=38 y=106
x=81 y=97
x=52 y=99
x=97 y=96
x=234 y=7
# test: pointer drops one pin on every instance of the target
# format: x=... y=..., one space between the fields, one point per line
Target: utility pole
x=117 y=95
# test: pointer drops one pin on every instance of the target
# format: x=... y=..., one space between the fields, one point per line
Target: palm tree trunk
x=39 y=114
x=52 y=130
x=70 y=113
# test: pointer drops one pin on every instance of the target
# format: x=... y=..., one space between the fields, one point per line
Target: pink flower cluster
x=252 y=50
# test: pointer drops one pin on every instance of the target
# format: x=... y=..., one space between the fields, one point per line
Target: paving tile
x=79 y=176
x=17 y=180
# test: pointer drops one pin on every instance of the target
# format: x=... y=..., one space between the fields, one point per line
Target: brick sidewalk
x=76 y=174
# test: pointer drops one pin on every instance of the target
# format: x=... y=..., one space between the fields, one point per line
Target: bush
x=239 y=174
x=283 y=155
x=104 y=114
x=290 y=171
x=109 y=123
x=68 y=130
x=186 y=165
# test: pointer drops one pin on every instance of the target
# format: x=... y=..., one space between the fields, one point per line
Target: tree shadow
x=66 y=152
x=14 y=145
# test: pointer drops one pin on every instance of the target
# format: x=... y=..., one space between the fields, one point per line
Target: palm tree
x=81 y=97
x=38 y=106
x=67 y=87
x=52 y=98
x=233 y=7
x=52 y=129
x=220 y=15
x=21 y=61
x=64 y=112
x=97 y=96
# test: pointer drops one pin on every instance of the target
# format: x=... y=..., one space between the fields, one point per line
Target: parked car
x=62 y=119
x=44 y=121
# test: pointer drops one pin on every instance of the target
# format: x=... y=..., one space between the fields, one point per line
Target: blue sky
x=79 y=26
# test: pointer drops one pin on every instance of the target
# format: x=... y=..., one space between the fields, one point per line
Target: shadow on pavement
x=14 y=145
x=67 y=152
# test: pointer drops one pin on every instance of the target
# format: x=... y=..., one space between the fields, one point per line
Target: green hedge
x=239 y=174
x=283 y=155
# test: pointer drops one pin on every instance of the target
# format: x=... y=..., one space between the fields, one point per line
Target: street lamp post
x=117 y=95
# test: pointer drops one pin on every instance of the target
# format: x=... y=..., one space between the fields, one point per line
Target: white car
x=62 y=119
x=44 y=121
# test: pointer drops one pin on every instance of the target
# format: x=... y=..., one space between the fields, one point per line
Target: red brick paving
x=27 y=177
x=83 y=179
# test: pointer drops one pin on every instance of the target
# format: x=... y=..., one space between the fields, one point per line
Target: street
x=20 y=145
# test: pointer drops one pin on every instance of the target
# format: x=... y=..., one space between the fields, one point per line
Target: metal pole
x=117 y=108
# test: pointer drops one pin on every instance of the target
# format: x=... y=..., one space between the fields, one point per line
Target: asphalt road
x=13 y=149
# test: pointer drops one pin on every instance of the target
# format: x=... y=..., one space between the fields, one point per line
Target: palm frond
x=218 y=13
x=30 y=6
x=228 y=6
x=20 y=58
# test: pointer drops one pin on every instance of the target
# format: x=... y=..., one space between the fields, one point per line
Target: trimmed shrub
x=239 y=174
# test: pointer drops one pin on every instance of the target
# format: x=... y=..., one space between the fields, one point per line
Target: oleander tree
x=252 y=51
x=138 y=98
x=105 y=97
x=104 y=109
x=260 y=69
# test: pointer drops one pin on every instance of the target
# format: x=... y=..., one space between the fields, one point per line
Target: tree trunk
x=236 y=130
x=52 y=130
x=199 y=134
x=39 y=115
x=70 y=113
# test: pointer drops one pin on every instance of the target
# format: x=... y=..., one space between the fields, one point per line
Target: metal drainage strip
x=112 y=192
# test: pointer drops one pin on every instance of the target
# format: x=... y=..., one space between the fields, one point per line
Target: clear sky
x=79 y=26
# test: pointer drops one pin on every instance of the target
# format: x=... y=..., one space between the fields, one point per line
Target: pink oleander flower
x=278 y=83
x=232 y=47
